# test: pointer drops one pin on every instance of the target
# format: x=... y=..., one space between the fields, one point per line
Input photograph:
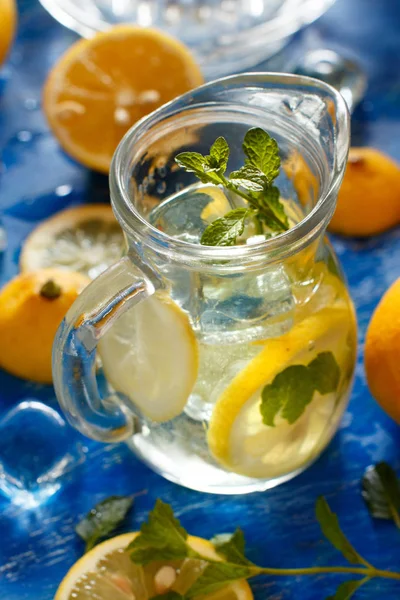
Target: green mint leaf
x=381 y=492
x=262 y=152
x=219 y=155
x=272 y=210
x=347 y=589
x=170 y=595
x=161 y=538
x=325 y=372
x=293 y=388
x=225 y=230
x=196 y=163
x=218 y=575
x=289 y=393
x=103 y=519
x=231 y=547
x=330 y=528
x=250 y=178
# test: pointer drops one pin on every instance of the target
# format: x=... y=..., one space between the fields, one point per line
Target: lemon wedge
x=237 y=437
x=87 y=239
x=107 y=572
x=150 y=354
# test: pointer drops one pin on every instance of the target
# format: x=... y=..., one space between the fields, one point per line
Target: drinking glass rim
x=282 y=245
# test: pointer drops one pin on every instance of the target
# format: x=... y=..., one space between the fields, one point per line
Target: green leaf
x=196 y=163
x=219 y=155
x=161 y=538
x=171 y=595
x=290 y=392
x=330 y=528
x=293 y=388
x=272 y=210
x=325 y=372
x=250 y=178
x=218 y=575
x=381 y=492
x=347 y=589
x=262 y=152
x=225 y=230
x=103 y=519
x=231 y=547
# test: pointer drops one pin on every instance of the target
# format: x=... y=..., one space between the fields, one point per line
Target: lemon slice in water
x=108 y=572
x=237 y=435
x=87 y=239
x=150 y=354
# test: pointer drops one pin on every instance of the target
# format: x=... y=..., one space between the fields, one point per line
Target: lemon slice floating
x=108 y=572
x=237 y=436
x=87 y=239
x=150 y=354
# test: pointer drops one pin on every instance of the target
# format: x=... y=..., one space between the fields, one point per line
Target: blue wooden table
x=37 y=546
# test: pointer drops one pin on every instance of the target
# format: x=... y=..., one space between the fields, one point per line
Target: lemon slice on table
x=101 y=86
x=150 y=354
x=87 y=239
x=108 y=572
x=237 y=435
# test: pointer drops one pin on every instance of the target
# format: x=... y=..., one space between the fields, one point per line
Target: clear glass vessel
x=194 y=340
x=225 y=35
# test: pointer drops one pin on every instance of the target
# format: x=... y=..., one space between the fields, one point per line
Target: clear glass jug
x=226 y=369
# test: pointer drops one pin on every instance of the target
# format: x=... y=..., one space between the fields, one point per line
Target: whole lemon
x=369 y=199
x=7 y=26
x=382 y=352
x=32 y=305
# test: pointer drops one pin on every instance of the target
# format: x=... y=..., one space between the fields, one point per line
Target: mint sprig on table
x=253 y=182
x=162 y=537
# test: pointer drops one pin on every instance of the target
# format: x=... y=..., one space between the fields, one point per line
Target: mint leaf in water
x=289 y=393
x=231 y=547
x=161 y=538
x=219 y=155
x=262 y=152
x=381 y=492
x=103 y=519
x=225 y=230
x=330 y=527
x=325 y=372
x=293 y=388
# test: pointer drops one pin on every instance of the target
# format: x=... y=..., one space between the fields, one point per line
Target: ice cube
x=36 y=452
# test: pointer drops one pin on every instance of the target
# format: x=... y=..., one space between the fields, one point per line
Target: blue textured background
x=37 y=179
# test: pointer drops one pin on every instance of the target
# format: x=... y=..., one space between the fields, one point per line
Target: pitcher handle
x=114 y=292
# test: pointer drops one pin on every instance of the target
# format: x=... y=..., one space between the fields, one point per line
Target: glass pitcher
x=226 y=369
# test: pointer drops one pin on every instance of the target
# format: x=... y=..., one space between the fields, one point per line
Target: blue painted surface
x=37 y=179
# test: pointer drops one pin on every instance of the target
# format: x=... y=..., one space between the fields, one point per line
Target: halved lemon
x=237 y=436
x=87 y=239
x=107 y=572
x=8 y=17
x=103 y=85
x=150 y=354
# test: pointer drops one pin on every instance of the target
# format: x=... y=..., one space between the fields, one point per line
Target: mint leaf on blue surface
x=381 y=492
x=103 y=519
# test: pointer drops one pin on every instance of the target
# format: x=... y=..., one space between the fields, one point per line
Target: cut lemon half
x=87 y=239
x=8 y=17
x=150 y=354
x=102 y=86
x=107 y=572
x=237 y=436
